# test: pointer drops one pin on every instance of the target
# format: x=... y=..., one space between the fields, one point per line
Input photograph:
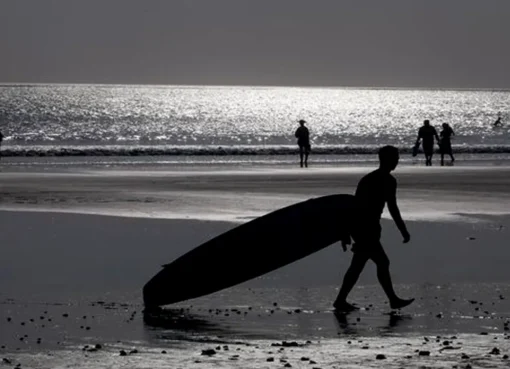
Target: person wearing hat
x=303 y=140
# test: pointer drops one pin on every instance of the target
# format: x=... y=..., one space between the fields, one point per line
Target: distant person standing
x=1 y=139
x=303 y=140
x=445 y=143
x=426 y=134
x=498 y=122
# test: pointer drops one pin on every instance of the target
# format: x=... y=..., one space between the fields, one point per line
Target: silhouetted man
x=497 y=122
x=303 y=136
x=427 y=134
x=374 y=191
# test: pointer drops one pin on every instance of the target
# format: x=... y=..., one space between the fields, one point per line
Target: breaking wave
x=188 y=150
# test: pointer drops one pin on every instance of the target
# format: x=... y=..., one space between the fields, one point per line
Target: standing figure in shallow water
x=427 y=134
x=1 y=138
x=303 y=136
x=497 y=122
x=445 y=143
x=374 y=191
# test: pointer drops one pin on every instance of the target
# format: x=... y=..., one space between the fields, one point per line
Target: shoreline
x=245 y=161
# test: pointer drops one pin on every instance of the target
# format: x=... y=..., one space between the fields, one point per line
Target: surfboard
x=252 y=249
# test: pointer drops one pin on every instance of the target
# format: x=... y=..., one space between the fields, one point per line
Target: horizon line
x=12 y=84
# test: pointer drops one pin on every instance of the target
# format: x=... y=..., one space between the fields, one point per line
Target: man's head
x=388 y=157
x=426 y=123
x=302 y=122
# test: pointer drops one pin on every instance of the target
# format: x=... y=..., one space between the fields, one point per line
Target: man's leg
x=307 y=152
x=428 y=150
x=301 y=153
x=358 y=262
x=383 y=274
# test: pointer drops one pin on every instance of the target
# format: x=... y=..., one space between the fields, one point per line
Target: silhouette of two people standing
x=374 y=191
x=303 y=140
x=426 y=135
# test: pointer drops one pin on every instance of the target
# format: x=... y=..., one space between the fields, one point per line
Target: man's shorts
x=428 y=149
x=367 y=242
x=305 y=147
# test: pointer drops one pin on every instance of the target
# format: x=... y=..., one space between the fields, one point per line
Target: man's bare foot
x=400 y=303
x=344 y=307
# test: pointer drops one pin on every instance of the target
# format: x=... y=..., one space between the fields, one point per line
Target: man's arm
x=435 y=134
x=419 y=136
x=395 y=214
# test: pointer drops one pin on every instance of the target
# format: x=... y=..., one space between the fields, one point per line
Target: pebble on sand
x=495 y=351
x=123 y=353
x=424 y=353
x=209 y=352
x=380 y=357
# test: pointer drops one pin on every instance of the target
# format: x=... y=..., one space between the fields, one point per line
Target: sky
x=365 y=43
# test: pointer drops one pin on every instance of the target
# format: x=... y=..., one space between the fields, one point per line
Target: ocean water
x=99 y=120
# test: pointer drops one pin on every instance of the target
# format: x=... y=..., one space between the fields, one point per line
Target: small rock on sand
x=209 y=352
x=380 y=357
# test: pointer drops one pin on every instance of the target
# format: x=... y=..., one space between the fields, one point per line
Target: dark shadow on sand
x=179 y=324
x=347 y=324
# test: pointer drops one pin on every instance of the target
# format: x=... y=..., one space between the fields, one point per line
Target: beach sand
x=77 y=246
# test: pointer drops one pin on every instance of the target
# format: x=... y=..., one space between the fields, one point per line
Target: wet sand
x=85 y=272
x=222 y=193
